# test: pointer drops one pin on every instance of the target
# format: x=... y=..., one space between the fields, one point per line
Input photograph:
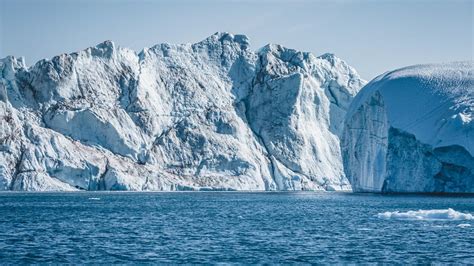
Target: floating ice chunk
x=464 y=225
x=93 y=198
x=447 y=214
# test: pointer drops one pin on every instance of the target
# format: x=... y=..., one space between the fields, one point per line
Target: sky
x=372 y=36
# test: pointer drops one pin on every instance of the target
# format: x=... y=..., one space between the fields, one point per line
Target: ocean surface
x=230 y=227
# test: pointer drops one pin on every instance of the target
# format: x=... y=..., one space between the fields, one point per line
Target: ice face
x=209 y=115
x=410 y=130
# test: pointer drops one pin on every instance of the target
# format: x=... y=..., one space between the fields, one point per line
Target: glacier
x=213 y=115
x=412 y=130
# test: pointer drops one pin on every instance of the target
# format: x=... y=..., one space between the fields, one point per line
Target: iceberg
x=212 y=115
x=411 y=130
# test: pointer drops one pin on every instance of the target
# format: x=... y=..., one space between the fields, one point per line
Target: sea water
x=229 y=227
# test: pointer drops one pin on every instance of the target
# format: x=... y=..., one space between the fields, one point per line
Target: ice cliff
x=211 y=115
x=412 y=130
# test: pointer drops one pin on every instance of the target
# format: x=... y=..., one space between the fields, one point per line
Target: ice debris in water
x=464 y=225
x=446 y=214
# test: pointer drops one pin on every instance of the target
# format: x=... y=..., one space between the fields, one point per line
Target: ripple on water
x=229 y=227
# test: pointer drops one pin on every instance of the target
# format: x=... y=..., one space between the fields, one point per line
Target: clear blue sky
x=373 y=36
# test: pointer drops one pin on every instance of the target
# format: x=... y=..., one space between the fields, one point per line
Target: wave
x=446 y=214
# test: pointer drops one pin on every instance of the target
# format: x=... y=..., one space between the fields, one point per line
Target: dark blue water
x=228 y=227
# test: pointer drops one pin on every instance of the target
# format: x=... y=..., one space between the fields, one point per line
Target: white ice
x=444 y=214
x=213 y=115
x=411 y=130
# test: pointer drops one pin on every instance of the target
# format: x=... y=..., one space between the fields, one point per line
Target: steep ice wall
x=174 y=117
x=296 y=108
x=411 y=130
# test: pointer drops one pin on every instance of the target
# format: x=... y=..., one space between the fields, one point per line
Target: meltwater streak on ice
x=447 y=214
